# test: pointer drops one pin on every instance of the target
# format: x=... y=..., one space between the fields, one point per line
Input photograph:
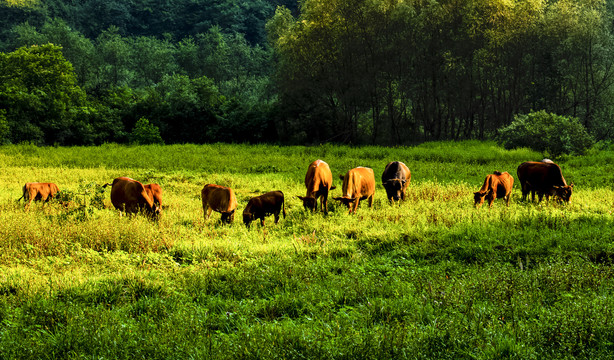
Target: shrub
x=145 y=133
x=548 y=133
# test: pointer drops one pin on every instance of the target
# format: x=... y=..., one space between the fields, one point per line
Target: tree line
x=350 y=71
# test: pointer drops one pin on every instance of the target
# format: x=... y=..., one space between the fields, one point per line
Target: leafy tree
x=551 y=134
x=77 y=49
x=145 y=133
x=39 y=92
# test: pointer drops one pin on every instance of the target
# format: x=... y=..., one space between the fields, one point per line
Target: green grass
x=432 y=278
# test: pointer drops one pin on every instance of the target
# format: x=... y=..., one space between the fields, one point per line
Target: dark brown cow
x=318 y=181
x=220 y=199
x=545 y=178
x=358 y=184
x=396 y=179
x=496 y=185
x=131 y=196
x=260 y=206
x=155 y=193
x=38 y=192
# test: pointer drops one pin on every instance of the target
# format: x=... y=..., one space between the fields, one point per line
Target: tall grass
x=428 y=278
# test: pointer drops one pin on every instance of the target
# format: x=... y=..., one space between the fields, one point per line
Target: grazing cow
x=260 y=206
x=396 y=179
x=131 y=196
x=358 y=184
x=496 y=185
x=38 y=192
x=155 y=193
x=318 y=181
x=545 y=178
x=220 y=199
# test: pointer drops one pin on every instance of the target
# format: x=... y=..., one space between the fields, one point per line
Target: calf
x=358 y=184
x=38 y=192
x=318 y=181
x=396 y=179
x=495 y=185
x=220 y=199
x=260 y=206
x=130 y=195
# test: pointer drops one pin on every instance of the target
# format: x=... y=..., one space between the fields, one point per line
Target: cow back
x=40 y=191
x=396 y=170
x=219 y=198
x=130 y=195
x=358 y=182
x=318 y=177
x=541 y=176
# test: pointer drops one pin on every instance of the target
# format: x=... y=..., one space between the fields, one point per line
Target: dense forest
x=283 y=71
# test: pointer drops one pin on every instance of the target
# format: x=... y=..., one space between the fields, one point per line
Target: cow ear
x=300 y=197
x=332 y=188
x=571 y=185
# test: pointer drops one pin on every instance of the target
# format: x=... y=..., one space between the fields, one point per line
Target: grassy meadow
x=430 y=278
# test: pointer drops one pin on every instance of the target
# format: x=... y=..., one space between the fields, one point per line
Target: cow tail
x=23 y=194
x=283 y=207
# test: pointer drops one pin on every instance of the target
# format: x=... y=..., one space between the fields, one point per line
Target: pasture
x=430 y=278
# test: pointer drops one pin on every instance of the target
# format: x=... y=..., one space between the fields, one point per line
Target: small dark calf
x=260 y=206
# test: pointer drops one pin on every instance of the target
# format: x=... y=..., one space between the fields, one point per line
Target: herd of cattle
x=542 y=177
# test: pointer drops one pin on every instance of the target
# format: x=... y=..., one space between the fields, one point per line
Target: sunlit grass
x=431 y=277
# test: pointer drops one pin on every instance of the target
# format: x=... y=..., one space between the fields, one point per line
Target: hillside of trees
x=386 y=72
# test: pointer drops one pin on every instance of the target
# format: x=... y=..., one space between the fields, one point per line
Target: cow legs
x=324 y=202
x=276 y=217
x=207 y=211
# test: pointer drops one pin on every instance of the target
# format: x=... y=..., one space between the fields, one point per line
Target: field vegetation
x=430 y=278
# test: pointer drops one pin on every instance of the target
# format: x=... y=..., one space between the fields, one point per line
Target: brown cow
x=318 y=181
x=131 y=196
x=220 y=199
x=38 y=192
x=260 y=206
x=396 y=178
x=155 y=193
x=545 y=178
x=358 y=184
x=496 y=185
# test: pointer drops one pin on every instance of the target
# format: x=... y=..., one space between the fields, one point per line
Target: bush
x=145 y=133
x=548 y=133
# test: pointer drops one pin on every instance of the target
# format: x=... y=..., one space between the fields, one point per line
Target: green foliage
x=551 y=134
x=42 y=100
x=145 y=133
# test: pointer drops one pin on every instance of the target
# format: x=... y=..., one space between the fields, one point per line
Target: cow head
x=564 y=192
x=309 y=203
x=394 y=189
x=346 y=201
x=478 y=198
x=228 y=217
x=247 y=218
